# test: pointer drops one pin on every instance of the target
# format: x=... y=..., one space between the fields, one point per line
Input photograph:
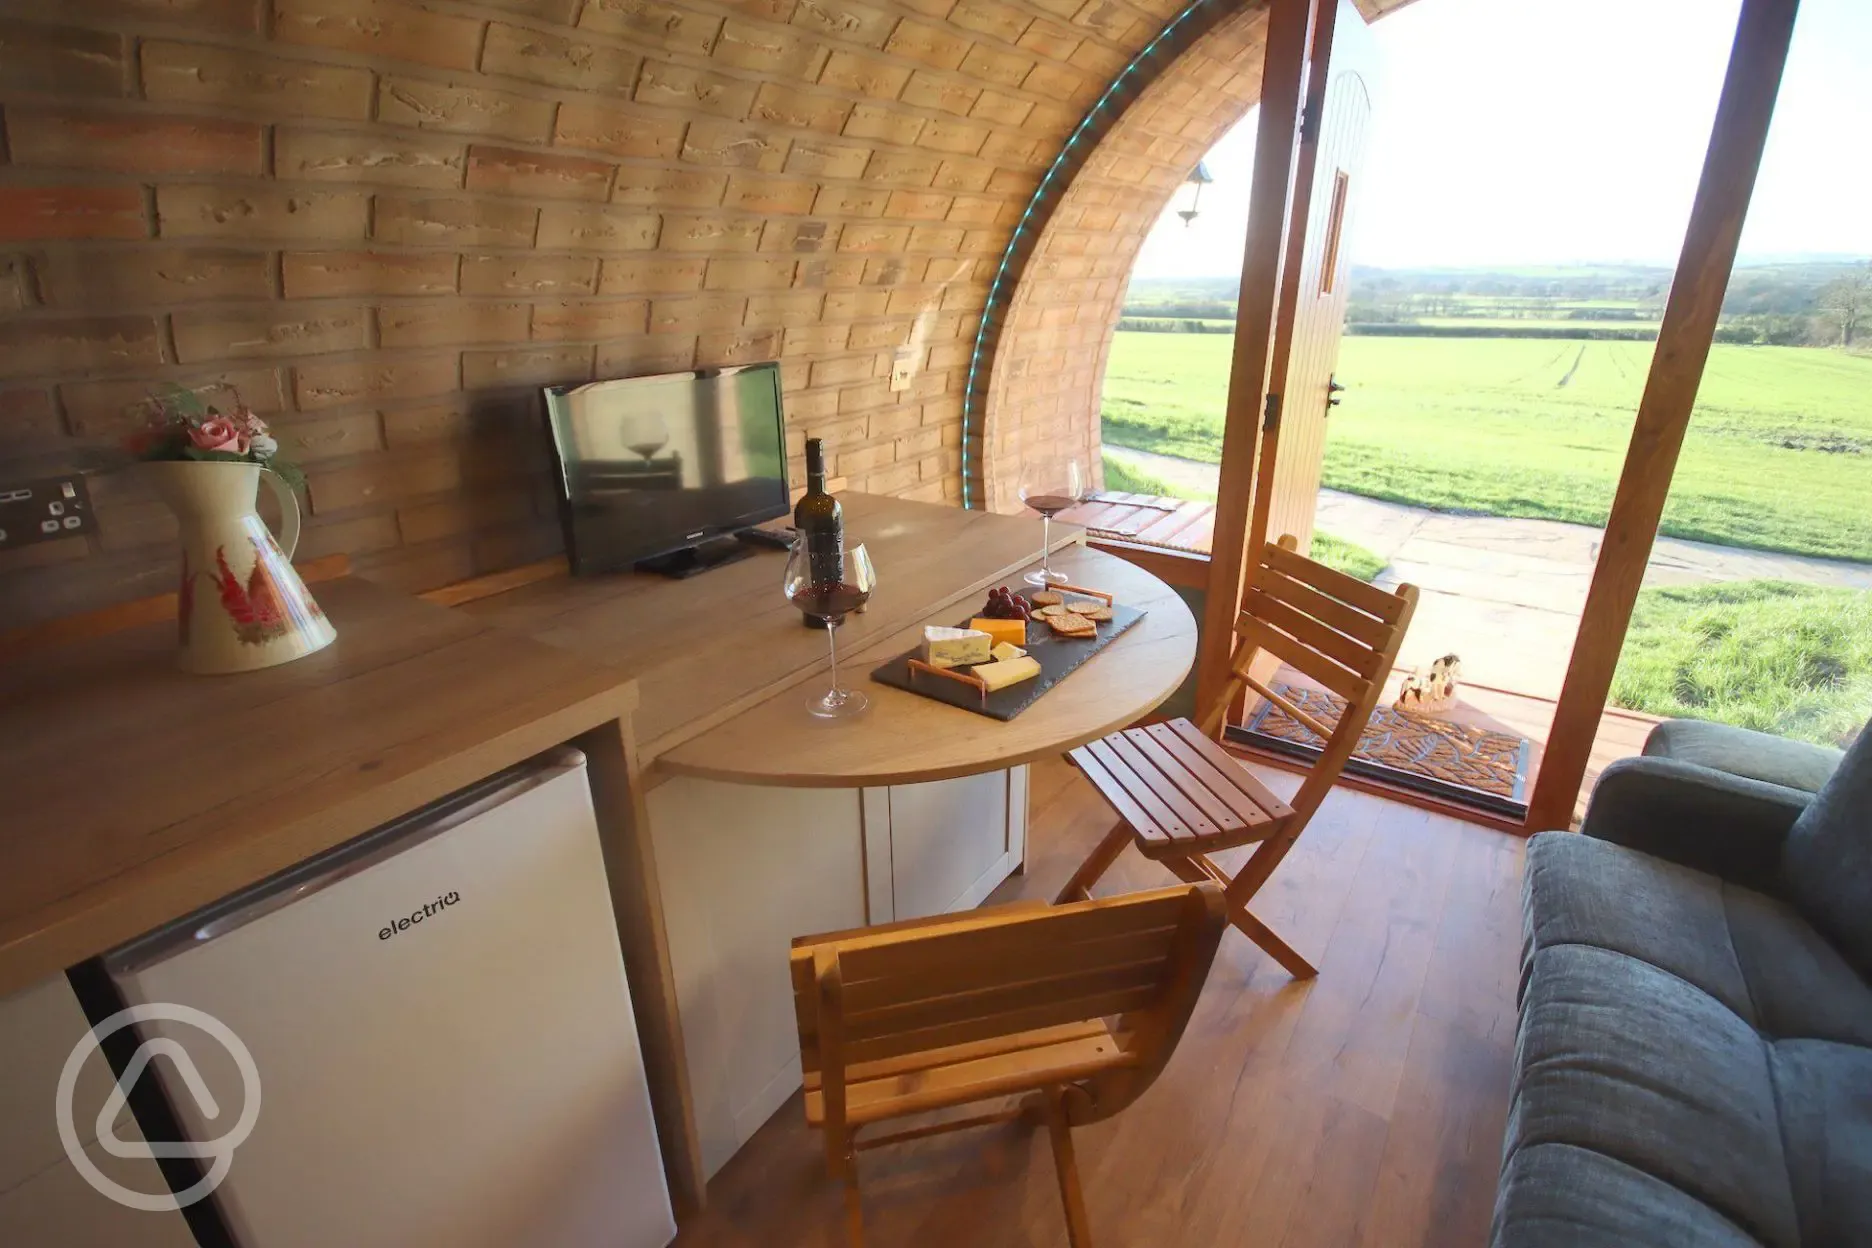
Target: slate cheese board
x=1058 y=658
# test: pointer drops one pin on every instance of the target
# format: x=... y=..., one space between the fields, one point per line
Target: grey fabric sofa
x=1693 y=1067
x=1742 y=752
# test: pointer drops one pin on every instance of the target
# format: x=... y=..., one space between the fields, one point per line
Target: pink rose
x=218 y=434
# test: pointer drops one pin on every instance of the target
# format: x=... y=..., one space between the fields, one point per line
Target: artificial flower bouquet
x=182 y=425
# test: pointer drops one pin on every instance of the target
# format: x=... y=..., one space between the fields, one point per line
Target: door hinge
x=1309 y=123
x=1271 y=414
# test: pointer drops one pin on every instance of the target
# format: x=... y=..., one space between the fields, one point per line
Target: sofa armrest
x=1709 y=820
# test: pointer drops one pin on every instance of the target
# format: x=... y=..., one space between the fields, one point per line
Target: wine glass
x=1050 y=488
x=828 y=585
x=645 y=433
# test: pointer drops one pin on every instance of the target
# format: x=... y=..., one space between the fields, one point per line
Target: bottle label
x=825 y=556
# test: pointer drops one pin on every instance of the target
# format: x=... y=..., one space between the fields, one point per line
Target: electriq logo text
x=429 y=910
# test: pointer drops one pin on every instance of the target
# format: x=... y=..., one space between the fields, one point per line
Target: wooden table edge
x=669 y=762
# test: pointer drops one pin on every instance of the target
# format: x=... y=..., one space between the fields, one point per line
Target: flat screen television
x=657 y=471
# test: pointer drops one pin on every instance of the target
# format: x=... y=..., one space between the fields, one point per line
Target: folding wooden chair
x=1181 y=796
x=1079 y=1005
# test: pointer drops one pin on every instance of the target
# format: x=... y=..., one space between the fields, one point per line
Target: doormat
x=1459 y=754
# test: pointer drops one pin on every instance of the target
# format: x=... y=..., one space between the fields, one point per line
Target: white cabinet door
x=44 y=1202
x=952 y=841
x=743 y=870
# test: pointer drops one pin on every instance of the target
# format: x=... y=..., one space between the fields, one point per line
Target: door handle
x=1333 y=391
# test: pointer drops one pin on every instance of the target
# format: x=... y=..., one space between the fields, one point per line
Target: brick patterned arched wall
x=1048 y=333
x=389 y=221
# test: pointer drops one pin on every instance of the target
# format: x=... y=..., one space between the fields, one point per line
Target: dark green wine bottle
x=821 y=522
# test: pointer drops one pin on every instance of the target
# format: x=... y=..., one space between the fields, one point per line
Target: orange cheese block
x=1014 y=632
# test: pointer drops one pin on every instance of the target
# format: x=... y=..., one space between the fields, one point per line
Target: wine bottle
x=820 y=522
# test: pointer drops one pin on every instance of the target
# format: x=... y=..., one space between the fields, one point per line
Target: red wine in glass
x=831 y=601
x=1050 y=488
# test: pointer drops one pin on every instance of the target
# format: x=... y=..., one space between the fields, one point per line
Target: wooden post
x=1288 y=309
x=1283 y=80
x=636 y=898
x=1696 y=296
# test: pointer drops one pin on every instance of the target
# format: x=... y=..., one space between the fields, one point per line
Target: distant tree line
x=1808 y=304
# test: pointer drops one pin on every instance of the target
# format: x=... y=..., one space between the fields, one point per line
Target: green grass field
x=1793 y=660
x=1779 y=455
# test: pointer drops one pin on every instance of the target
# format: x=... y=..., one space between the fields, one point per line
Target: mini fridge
x=441 y=1028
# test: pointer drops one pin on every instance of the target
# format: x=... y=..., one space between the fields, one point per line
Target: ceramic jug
x=241 y=606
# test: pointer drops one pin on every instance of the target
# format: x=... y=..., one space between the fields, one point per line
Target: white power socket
x=39 y=511
x=903 y=368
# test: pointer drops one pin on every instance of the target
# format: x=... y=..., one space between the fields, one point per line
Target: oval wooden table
x=904 y=738
x=774 y=824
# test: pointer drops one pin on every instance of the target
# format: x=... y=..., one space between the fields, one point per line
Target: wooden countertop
x=710 y=648
x=135 y=793
x=903 y=738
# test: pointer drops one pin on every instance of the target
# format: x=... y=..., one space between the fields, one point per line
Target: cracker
x=1048 y=612
x=1071 y=625
x=1045 y=598
x=1099 y=612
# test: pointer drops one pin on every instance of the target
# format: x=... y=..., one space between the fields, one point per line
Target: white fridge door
x=444 y=1043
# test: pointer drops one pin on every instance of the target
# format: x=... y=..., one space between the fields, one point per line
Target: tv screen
x=651 y=465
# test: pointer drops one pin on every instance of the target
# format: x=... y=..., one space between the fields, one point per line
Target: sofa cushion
x=1621 y=1058
x=1584 y=891
x=1826 y=864
x=1756 y=955
x=1825 y=1093
x=1744 y=752
x=1561 y=1196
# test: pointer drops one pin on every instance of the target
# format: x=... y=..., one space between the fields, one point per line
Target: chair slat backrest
x=989 y=975
x=1330 y=627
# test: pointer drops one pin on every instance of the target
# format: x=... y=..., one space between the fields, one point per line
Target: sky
x=1527 y=132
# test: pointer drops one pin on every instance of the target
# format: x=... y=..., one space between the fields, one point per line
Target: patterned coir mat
x=1475 y=758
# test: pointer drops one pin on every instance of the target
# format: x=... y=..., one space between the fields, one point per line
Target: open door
x=1311 y=315
x=1316 y=107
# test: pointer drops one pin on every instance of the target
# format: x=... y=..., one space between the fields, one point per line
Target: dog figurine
x=1432 y=691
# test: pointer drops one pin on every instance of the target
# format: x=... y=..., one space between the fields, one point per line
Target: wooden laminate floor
x=1362 y=1109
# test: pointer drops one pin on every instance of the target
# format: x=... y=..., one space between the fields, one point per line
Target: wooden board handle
x=1080 y=589
x=979 y=685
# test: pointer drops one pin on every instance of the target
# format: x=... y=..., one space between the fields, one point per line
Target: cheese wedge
x=1013 y=632
x=1003 y=650
x=1008 y=672
x=955 y=647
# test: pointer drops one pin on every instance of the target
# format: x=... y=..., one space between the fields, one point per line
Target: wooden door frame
x=1298 y=31
x=1284 y=169
x=1740 y=132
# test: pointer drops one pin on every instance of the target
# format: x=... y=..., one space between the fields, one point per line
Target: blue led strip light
x=1045 y=190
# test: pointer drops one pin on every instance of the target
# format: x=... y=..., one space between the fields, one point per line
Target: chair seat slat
x=1229 y=767
x=1139 y=788
x=1162 y=786
x=1223 y=815
x=1140 y=821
